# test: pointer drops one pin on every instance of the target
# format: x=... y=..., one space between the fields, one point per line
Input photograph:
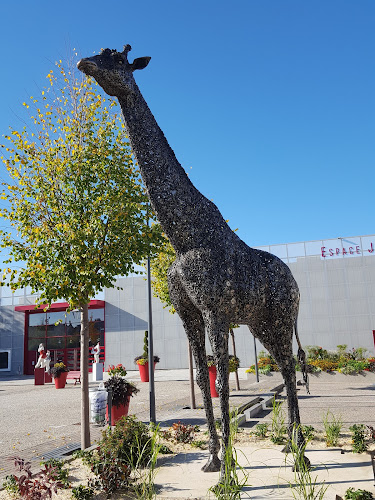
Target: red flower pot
x=143 y=371
x=61 y=380
x=212 y=375
x=39 y=376
x=118 y=411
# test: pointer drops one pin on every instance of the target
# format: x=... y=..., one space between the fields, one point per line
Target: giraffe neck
x=187 y=217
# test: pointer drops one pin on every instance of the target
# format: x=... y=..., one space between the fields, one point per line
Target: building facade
x=336 y=278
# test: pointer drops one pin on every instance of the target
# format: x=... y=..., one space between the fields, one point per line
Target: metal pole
x=256 y=359
x=109 y=407
x=191 y=376
x=151 y=384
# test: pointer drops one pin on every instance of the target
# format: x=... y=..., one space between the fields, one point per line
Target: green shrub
x=348 y=370
x=315 y=352
x=82 y=492
x=358 y=438
x=358 y=353
x=278 y=428
x=352 y=366
x=127 y=435
x=264 y=370
x=352 y=494
x=122 y=448
x=332 y=427
x=59 y=474
x=10 y=485
x=261 y=430
x=183 y=433
x=308 y=432
x=341 y=349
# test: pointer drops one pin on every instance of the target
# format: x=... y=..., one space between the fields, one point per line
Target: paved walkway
x=37 y=420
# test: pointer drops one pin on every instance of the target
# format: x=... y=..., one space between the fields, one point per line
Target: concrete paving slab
x=269 y=472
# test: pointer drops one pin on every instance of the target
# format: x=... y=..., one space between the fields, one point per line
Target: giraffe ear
x=140 y=63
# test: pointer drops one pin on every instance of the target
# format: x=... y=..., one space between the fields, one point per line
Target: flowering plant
x=371 y=365
x=58 y=369
x=210 y=360
x=324 y=365
x=120 y=388
x=117 y=371
x=143 y=359
x=234 y=362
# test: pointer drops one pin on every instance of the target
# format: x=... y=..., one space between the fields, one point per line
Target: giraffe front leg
x=202 y=377
x=213 y=463
x=218 y=334
x=195 y=330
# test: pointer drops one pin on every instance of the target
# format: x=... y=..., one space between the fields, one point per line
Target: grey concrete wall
x=126 y=319
x=12 y=338
x=337 y=307
x=337 y=301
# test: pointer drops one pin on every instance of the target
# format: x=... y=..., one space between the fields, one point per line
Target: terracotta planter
x=143 y=371
x=212 y=375
x=118 y=411
x=61 y=380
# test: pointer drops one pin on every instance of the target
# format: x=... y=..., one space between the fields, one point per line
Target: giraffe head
x=112 y=70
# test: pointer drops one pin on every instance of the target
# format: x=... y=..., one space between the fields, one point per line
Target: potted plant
x=121 y=391
x=59 y=372
x=212 y=374
x=142 y=361
x=234 y=363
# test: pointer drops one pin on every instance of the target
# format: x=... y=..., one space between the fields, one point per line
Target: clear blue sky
x=269 y=105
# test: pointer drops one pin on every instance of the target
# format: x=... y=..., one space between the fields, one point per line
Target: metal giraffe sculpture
x=216 y=278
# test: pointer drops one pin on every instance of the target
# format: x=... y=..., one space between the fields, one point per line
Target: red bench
x=74 y=375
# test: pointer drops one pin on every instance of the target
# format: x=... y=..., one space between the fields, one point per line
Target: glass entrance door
x=59 y=332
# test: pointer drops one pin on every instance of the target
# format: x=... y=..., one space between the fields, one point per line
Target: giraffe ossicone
x=216 y=278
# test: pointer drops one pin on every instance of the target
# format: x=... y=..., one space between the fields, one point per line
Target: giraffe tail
x=302 y=359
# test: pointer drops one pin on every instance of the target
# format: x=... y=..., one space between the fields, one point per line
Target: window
x=5 y=360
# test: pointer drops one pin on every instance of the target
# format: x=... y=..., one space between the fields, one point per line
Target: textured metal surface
x=61 y=452
x=216 y=278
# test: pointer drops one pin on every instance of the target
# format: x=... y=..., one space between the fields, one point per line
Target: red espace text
x=355 y=250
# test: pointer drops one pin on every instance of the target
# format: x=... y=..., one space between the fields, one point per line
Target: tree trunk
x=191 y=377
x=234 y=354
x=85 y=405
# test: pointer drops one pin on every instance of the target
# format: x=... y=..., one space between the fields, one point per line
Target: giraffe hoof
x=304 y=465
x=287 y=448
x=213 y=464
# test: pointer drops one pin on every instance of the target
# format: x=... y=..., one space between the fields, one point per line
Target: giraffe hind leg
x=283 y=354
x=296 y=441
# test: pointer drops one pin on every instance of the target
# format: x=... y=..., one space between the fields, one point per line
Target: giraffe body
x=216 y=278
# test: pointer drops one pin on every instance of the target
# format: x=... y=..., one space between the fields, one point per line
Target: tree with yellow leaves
x=160 y=264
x=75 y=204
